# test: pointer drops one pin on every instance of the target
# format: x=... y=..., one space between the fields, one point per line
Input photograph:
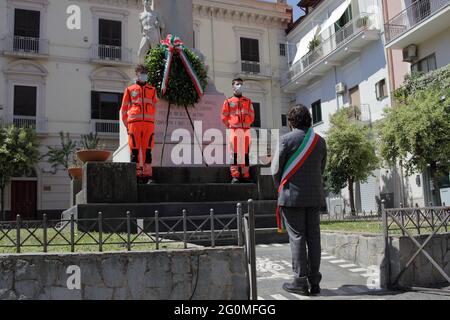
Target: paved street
x=342 y=280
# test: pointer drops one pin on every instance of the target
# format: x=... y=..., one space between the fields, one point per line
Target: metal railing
x=349 y=217
x=106 y=127
x=417 y=12
x=364 y=22
x=254 y=68
x=125 y=233
x=111 y=53
x=429 y=221
x=37 y=123
x=27 y=45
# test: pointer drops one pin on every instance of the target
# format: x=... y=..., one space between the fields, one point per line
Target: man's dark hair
x=299 y=117
x=140 y=68
x=236 y=80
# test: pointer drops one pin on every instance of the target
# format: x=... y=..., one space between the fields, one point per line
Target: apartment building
x=337 y=59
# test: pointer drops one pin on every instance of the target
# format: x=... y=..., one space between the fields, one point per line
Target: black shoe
x=292 y=288
x=150 y=181
x=315 y=290
x=235 y=181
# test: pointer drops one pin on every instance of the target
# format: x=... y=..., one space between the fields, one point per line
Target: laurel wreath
x=180 y=91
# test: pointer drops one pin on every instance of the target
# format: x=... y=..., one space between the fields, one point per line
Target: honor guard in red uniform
x=238 y=116
x=138 y=116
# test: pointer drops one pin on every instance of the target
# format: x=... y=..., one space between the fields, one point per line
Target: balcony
x=37 y=123
x=111 y=55
x=107 y=128
x=253 y=70
x=417 y=23
x=26 y=47
x=332 y=51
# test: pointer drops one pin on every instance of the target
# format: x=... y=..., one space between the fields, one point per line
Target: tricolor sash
x=294 y=164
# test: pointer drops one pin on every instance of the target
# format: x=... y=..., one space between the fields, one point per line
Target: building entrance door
x=24 y=199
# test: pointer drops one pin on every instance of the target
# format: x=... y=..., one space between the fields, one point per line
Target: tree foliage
x=351 y=153
x=19 y=155
x=63 y=155
x=417 y=130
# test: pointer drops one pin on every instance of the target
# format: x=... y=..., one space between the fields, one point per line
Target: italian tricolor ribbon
x=174 y=46
x=293 y=165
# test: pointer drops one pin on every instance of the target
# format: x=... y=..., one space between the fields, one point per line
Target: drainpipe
x=212 y=47
x=389 y=56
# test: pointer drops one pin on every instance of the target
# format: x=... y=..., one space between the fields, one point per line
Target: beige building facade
x=58 y=77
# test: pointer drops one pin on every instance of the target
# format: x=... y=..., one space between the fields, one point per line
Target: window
x=316 y=109
x=283 y=49
x=250 y=55
x=341 y=33
x=257 y=107
x=110 y=39
x=26 y=30
x=381 y=89
x=427 y=64
x=25 y=101
x=106 y=105
x=284 y=121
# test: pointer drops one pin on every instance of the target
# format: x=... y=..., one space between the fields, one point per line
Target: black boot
x=299 y=286
x=235 y=181
x=315 y=289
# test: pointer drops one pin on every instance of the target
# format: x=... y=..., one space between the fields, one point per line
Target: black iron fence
x=429 y=221
x=71 y=234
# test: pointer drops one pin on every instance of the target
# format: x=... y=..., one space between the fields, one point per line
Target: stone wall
x=368 y=250
x=161 y=275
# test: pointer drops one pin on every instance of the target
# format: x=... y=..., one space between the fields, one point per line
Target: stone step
x=177 y=175
x=141 y=210
x=195 y=192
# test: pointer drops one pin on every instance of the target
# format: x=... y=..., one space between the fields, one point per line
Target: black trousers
x=303 y=227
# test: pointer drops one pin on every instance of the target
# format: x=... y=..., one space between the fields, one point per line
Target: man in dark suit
x=300 y=201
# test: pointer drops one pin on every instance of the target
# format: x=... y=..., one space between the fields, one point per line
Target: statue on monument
x=152 y=29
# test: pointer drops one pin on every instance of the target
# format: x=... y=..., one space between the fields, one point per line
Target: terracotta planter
x=76 y=173
x=93 y=155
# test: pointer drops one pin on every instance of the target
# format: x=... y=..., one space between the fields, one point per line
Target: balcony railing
x=106 y=127
x=26 y=45
x=37 y=123
x=111 y=53
x=413 y=15
x=335 y=41
x=254 y=68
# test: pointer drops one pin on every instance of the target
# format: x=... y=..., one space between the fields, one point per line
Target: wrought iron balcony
x=412 y=16
x=29 y=46
x=253 y=69
x=339 y=42
x=106 y=127
x=37 y=123
x=110 y=54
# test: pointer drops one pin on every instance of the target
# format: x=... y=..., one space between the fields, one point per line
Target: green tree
x=351 y=153
x=64 y=154
x=19 y=155
x=416 y=132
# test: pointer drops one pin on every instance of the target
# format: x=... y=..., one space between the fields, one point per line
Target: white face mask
x=238 y=89
x=143 y=77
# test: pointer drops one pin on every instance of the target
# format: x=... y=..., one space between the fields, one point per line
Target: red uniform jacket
x=138 y=104
x=238 y=113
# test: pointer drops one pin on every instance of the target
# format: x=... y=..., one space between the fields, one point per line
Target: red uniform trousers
x=240 y=140
x=141 y=139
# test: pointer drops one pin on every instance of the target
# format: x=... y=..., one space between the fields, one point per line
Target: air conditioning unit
x=341 y=88
x=410 y=53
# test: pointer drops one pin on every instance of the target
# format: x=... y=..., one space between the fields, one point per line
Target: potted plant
x=314 y=43
x=76 y=168
x=362 y=22
x=64 y=156
x=91 y=151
